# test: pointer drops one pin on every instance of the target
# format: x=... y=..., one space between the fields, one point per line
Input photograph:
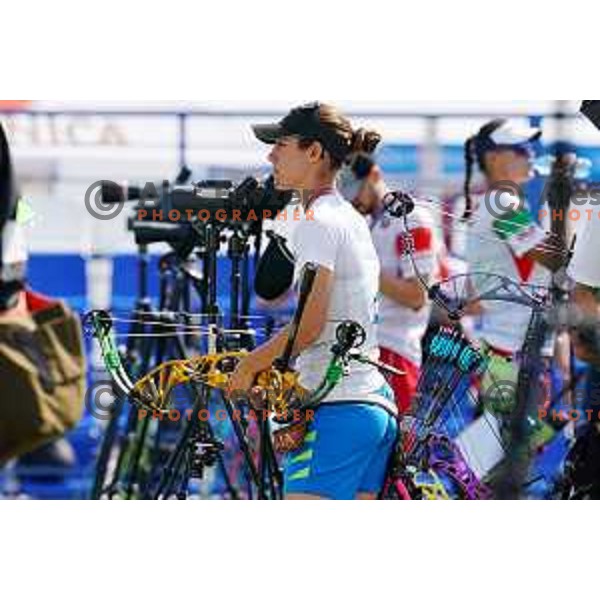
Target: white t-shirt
x=284 y=226
x=339 y=239
x=585 y=264
x=401 y=327
x=498 y=244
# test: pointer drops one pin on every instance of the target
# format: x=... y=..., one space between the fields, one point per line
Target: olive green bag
x=42 y=376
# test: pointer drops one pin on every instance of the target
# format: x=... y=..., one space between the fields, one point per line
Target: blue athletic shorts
x=346 y=451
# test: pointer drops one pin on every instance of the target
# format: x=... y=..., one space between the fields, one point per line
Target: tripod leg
x=105 y=450
x=274 y=470
x=263 y=459
x=243 y=441
x=126 y=443
x=170 y=472
x=134 y=467
x=182 y=491
x=233 y=491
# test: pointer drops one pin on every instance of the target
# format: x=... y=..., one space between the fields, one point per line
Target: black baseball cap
x=305 y=122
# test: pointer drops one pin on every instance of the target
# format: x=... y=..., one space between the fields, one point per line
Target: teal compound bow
x=454 y=296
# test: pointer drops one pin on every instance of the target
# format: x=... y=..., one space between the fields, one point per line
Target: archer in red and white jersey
x=404 y=308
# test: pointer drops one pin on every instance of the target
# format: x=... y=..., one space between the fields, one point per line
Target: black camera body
x=174 y=213
x=221 y=201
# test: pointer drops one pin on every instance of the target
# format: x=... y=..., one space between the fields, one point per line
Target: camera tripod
x=138 y=450
x=198 y=448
